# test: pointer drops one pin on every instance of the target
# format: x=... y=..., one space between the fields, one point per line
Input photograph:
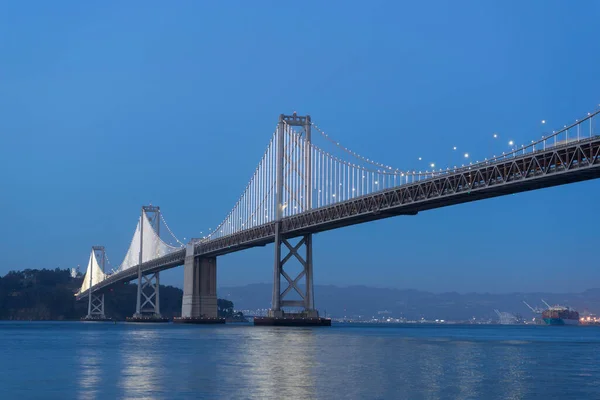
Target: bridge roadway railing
x=555 y=165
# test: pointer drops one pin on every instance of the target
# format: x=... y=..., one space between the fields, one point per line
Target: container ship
x=556 y=315
x=559 y=315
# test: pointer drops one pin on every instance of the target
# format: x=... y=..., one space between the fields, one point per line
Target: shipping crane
x=547 y=305
x=535 y=310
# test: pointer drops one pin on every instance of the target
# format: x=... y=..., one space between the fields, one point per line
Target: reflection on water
x=165 y=361
x=432 y=368
x=279 y=363
x=513 y=378
x=141 y=363
x=469 y=363
x=88 y=354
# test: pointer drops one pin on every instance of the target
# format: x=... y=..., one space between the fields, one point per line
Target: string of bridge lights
x=515 y=148
x=385 y=168
x=162 y=218
x=353 y=153
x=170 y=231
x=106 y=259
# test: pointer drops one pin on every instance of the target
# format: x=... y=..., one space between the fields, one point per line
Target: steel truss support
x=96 y=306
x=149 y=299
x=302 y=252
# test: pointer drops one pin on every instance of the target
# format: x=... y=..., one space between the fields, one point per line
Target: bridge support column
x=96 y=306
x=148 y=297
x=150 y=292
x=199 y=286
x=301 y=251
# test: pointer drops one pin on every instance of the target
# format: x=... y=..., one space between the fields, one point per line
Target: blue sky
x=109 y=106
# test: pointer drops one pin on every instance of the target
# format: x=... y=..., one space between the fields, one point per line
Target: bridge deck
x=573 y=162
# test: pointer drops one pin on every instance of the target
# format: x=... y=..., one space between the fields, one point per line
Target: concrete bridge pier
x=199 y=288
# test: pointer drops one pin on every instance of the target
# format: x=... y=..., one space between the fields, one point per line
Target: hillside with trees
x=45 y=294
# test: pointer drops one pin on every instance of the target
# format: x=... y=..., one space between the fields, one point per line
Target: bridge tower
x=148 y=295
x=96 y=300
x=284 y=248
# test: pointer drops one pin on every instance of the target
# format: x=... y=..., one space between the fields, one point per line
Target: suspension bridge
x=299 y=188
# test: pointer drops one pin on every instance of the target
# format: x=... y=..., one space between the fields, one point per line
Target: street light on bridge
x=513 y=148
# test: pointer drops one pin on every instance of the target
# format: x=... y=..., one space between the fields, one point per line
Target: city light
x=495 y=135
x=454 y=148
x=543 y=121
x=511 y=143
x=432 y=165
x=466 y=155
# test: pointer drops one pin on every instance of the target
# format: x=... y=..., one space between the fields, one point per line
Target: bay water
x=92 y=360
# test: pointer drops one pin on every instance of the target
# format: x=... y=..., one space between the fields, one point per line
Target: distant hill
x=353 y=301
